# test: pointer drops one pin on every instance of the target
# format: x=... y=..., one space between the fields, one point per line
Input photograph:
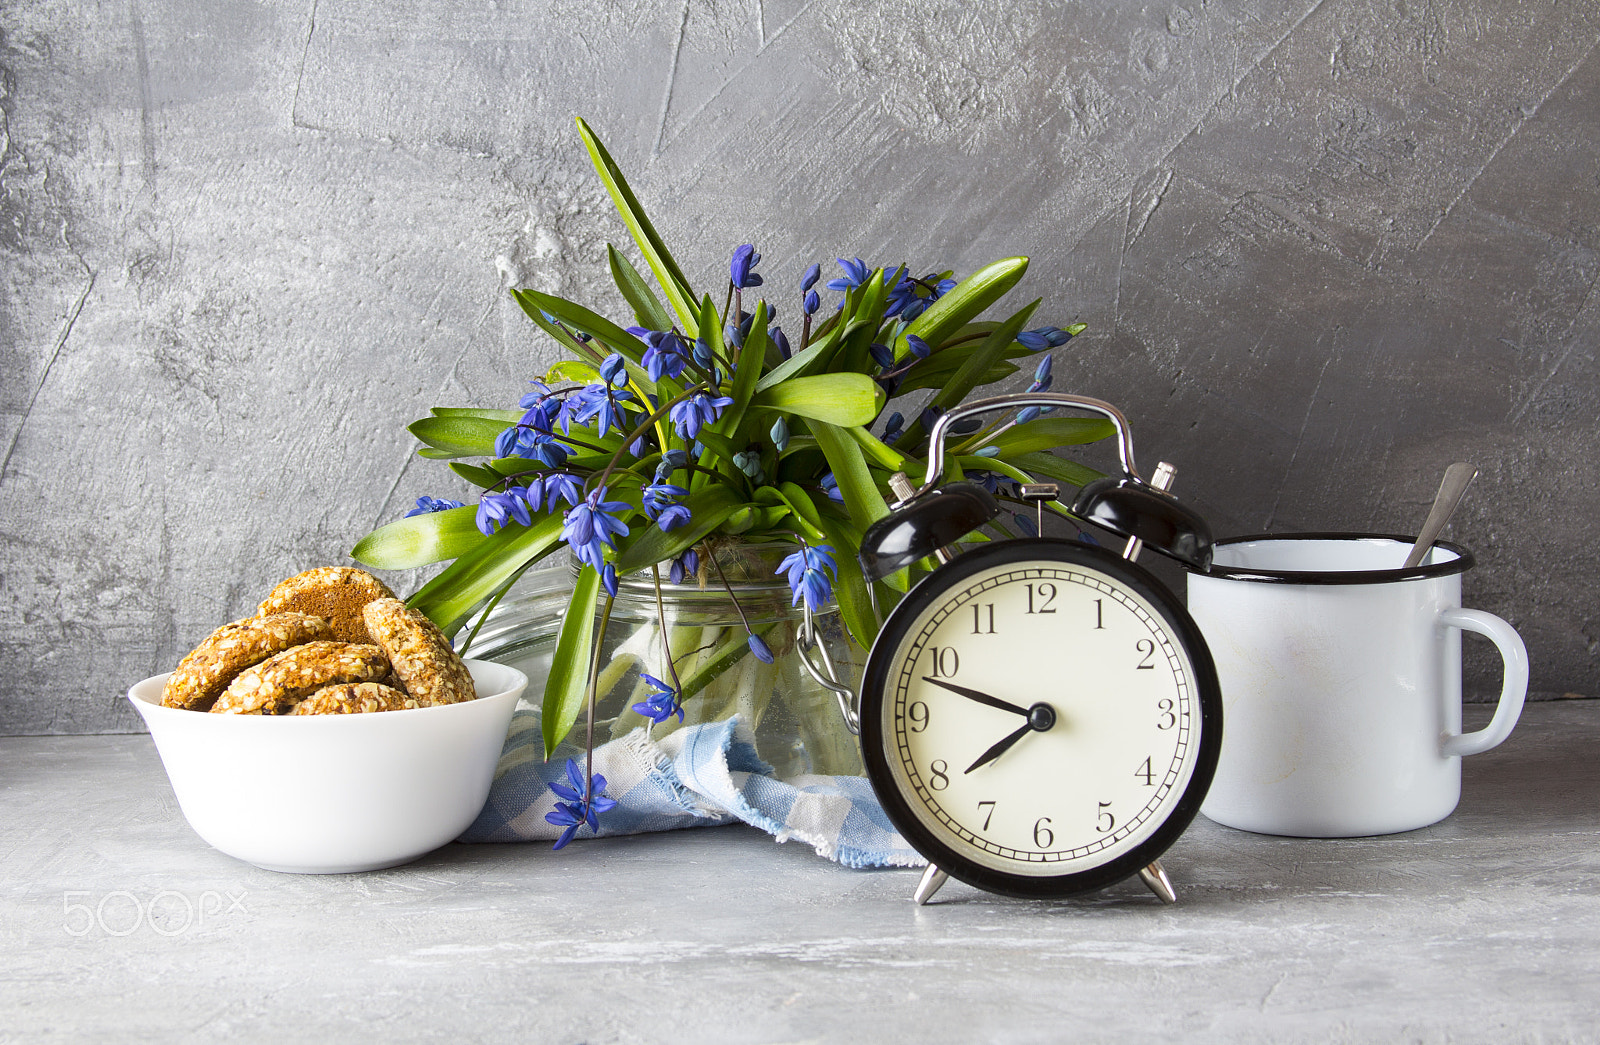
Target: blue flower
x=1043 y=338
x=1025 y=523
x=522 y=441
x=780 y=434
x=702 y=352
x=661 y=504
x=496 y=509
x=661 y=705
x=812 y=302
x=612 y=368
x=426 y=505
x=562 y=485
x=855 y=274
x=894 y=427
x=670 y=462
x=591 y=524
x=664 y=357
x=808 y=571
x=830 y=487
x=919 y=348
x=759 y=648
x=809 y=280
x=881 y=355
x=777 y=337
x=699 y=410
x=584 y=804
x=741 y=269
x=602 y=406
x=608 y=579
x=684 y=566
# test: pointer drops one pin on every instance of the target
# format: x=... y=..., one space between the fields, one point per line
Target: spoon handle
x=1456 y=480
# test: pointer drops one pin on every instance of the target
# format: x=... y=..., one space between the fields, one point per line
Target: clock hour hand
x=980 y=697
x=1002 y=747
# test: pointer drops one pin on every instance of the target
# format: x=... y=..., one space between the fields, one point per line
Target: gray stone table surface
x=118 y=923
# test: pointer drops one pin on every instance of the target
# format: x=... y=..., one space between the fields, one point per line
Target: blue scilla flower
x=808 y=571
x=777 y=337
x=658 y=497
x=809 y=280
x=612 y=368
x=425 y=505
x=497 y=509
x=1042 y=338
x=919 y=348
x=1025 y=523
x=663 y=355
x=780 y=434
x=855 y=274
x=894 y=427
x=540 y=393
x=830 y=488
x=521 y=441
x=699 y=410
x=602 y=407
x=592 y=525
x=812 y=302
x=684 y=566
x=558 y=486
x=608 y=579
x=584 y=802
x=742 y=268
x=749 y=462
x=760 y=649
x=670 y=462
x=881 y=355
x=702 y=352
x=661 y=704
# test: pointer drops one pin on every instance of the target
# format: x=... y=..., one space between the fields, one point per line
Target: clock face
x=1044 y=715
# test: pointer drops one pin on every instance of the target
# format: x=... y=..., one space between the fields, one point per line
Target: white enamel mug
x=1341 y=682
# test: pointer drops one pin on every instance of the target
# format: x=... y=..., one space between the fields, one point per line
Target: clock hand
x=1002 y=747
x=981 y=698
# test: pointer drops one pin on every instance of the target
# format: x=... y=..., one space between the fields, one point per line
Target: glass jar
x=798 y=725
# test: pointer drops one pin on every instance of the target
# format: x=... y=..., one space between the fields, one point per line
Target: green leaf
x=1047 y=433
x=568 y=682
x=839 y=399
x=459 y=436
x=576 y=370
x=582 y=319
x=804 y=508
x=964 y=303
x=505 y=417
x=850 y=590
x=883 y=455
x=562 y=337
x=477 y=475
x=646 y=308
x=747 y=370
x=420 y=540
x=655 y=252
x=1057 y=468
x=708 y=509
x=956 y=389
x=448 y=599
x=850 y=470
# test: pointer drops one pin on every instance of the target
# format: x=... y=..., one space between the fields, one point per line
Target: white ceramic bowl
x=327 y=794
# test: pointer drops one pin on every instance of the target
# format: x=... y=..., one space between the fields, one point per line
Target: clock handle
x=936 y=437
x=826 y=675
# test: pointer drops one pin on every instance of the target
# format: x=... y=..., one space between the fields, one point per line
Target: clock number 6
x=1043 y=837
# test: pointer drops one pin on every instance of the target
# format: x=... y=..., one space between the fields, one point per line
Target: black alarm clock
x=1040 y=717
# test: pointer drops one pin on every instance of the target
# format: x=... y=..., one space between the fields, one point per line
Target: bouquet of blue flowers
x=702 y=422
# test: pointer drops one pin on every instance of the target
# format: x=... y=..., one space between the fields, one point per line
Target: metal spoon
x=1456 y=480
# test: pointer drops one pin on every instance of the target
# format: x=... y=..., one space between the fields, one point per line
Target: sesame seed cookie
x=429 y=666
x=201 y=677
x=337 y=593
x=354 y=698
x=275 y=685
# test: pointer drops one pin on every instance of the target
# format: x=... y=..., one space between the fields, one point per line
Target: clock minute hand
x=1002 y=747
x=980 y=697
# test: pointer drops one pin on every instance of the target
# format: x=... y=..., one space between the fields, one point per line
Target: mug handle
x=1512 y=691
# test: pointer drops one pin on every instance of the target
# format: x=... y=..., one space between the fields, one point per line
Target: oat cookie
x=202 y=676
x=354 y=698
x=423 y=658
x=337 y=593
x=275 y=685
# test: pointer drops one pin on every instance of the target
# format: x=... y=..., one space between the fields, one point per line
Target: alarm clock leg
x=1155 y=876
x=932 y=879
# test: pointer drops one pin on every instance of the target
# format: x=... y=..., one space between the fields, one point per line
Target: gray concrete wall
x=1325 y=247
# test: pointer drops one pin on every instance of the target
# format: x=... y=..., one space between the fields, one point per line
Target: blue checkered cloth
x=697 y=776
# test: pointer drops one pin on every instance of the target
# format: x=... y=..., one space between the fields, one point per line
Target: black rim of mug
x=1462 y=562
